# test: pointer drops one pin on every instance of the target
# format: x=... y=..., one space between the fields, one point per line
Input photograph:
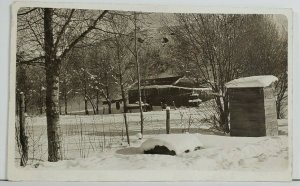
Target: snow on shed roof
x=252 y=81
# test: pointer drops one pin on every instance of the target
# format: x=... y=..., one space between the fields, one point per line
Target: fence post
x=168 y=120
x=23 y=137
x=127 y=130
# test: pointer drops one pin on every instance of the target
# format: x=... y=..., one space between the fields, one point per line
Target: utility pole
x=138 y=75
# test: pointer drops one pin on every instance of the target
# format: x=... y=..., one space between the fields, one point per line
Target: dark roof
x=177 y=81
x=161 y=81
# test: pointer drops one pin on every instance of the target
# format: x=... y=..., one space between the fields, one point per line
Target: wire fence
x=84 y=135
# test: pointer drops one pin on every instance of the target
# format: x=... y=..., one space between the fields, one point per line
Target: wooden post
x=168 y=120
x=174 y=105
x=127 y=130
x=23 y=137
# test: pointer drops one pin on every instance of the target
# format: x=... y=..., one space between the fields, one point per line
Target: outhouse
x=252 y=106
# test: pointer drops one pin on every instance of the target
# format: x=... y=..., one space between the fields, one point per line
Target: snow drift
x=172 y=144
x=219 y=153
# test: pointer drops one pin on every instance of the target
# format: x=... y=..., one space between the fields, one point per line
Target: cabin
x=252 y=106
x=172 y=91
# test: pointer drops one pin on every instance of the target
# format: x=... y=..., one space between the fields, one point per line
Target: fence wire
x=85 y=135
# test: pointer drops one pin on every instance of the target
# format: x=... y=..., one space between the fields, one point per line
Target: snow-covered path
x=219 y=153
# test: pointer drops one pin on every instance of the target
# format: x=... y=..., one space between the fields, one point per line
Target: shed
x=252 y=106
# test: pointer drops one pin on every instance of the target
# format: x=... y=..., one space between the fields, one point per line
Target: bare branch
x=83 y=34
x=63 y=29
x=35 y=61
x=109 y=32
x=24 y=13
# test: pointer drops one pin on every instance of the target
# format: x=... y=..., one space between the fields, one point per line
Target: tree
x=57 y=32
x=119 y=24
x=266 y=54
x=66 y=84
x=80 y=75
x=211 y=44
x=218 y=48
x=102 y=73
x=127 y=30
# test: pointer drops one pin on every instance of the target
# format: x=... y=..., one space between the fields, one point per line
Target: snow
x=176 y=142
x=252 y=81
x=139 y=135
x=219 y=153
x=113 y=153
x=195 y=100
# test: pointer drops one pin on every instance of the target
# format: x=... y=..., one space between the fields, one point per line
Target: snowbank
x=179 y=143
x=252 y=81
x=219 y=153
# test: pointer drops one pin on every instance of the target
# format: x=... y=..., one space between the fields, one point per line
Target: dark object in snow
x=197 y=148
x=165 y=151
x=165 y=40
x=252 y=106
x=36 y=165
x=160 y=150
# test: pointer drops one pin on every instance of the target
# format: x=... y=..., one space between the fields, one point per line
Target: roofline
x=169 y=86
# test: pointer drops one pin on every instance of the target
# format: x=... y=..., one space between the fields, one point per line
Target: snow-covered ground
x=218 y=153
x=99 y=142
x=84 y=136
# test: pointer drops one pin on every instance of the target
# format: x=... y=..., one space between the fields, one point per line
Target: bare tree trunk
x=85 y=100
x=109 y=107
x=66 y=102
x=223 y=113
x=23 y=137
x=225 y=121
x=26 y=105
x=86 y=106
x=124 y=99
x=108 y=93
x=278 y=109
x=97 y=102
x=65 y=92
x=123 y=94
x=138 y=75
x=52 y=90
x=41 y=101
x=60 y=113
x=281 y=87
x=92 y=103
x=127 y=129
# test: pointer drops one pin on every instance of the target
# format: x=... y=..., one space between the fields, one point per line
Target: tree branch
x=83 y=34
x=109 y=32
x=34 y=61
x=24 y=13
x=63 y=29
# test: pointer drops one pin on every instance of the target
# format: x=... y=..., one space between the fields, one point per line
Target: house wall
x=155 y=96
x=247 y=112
